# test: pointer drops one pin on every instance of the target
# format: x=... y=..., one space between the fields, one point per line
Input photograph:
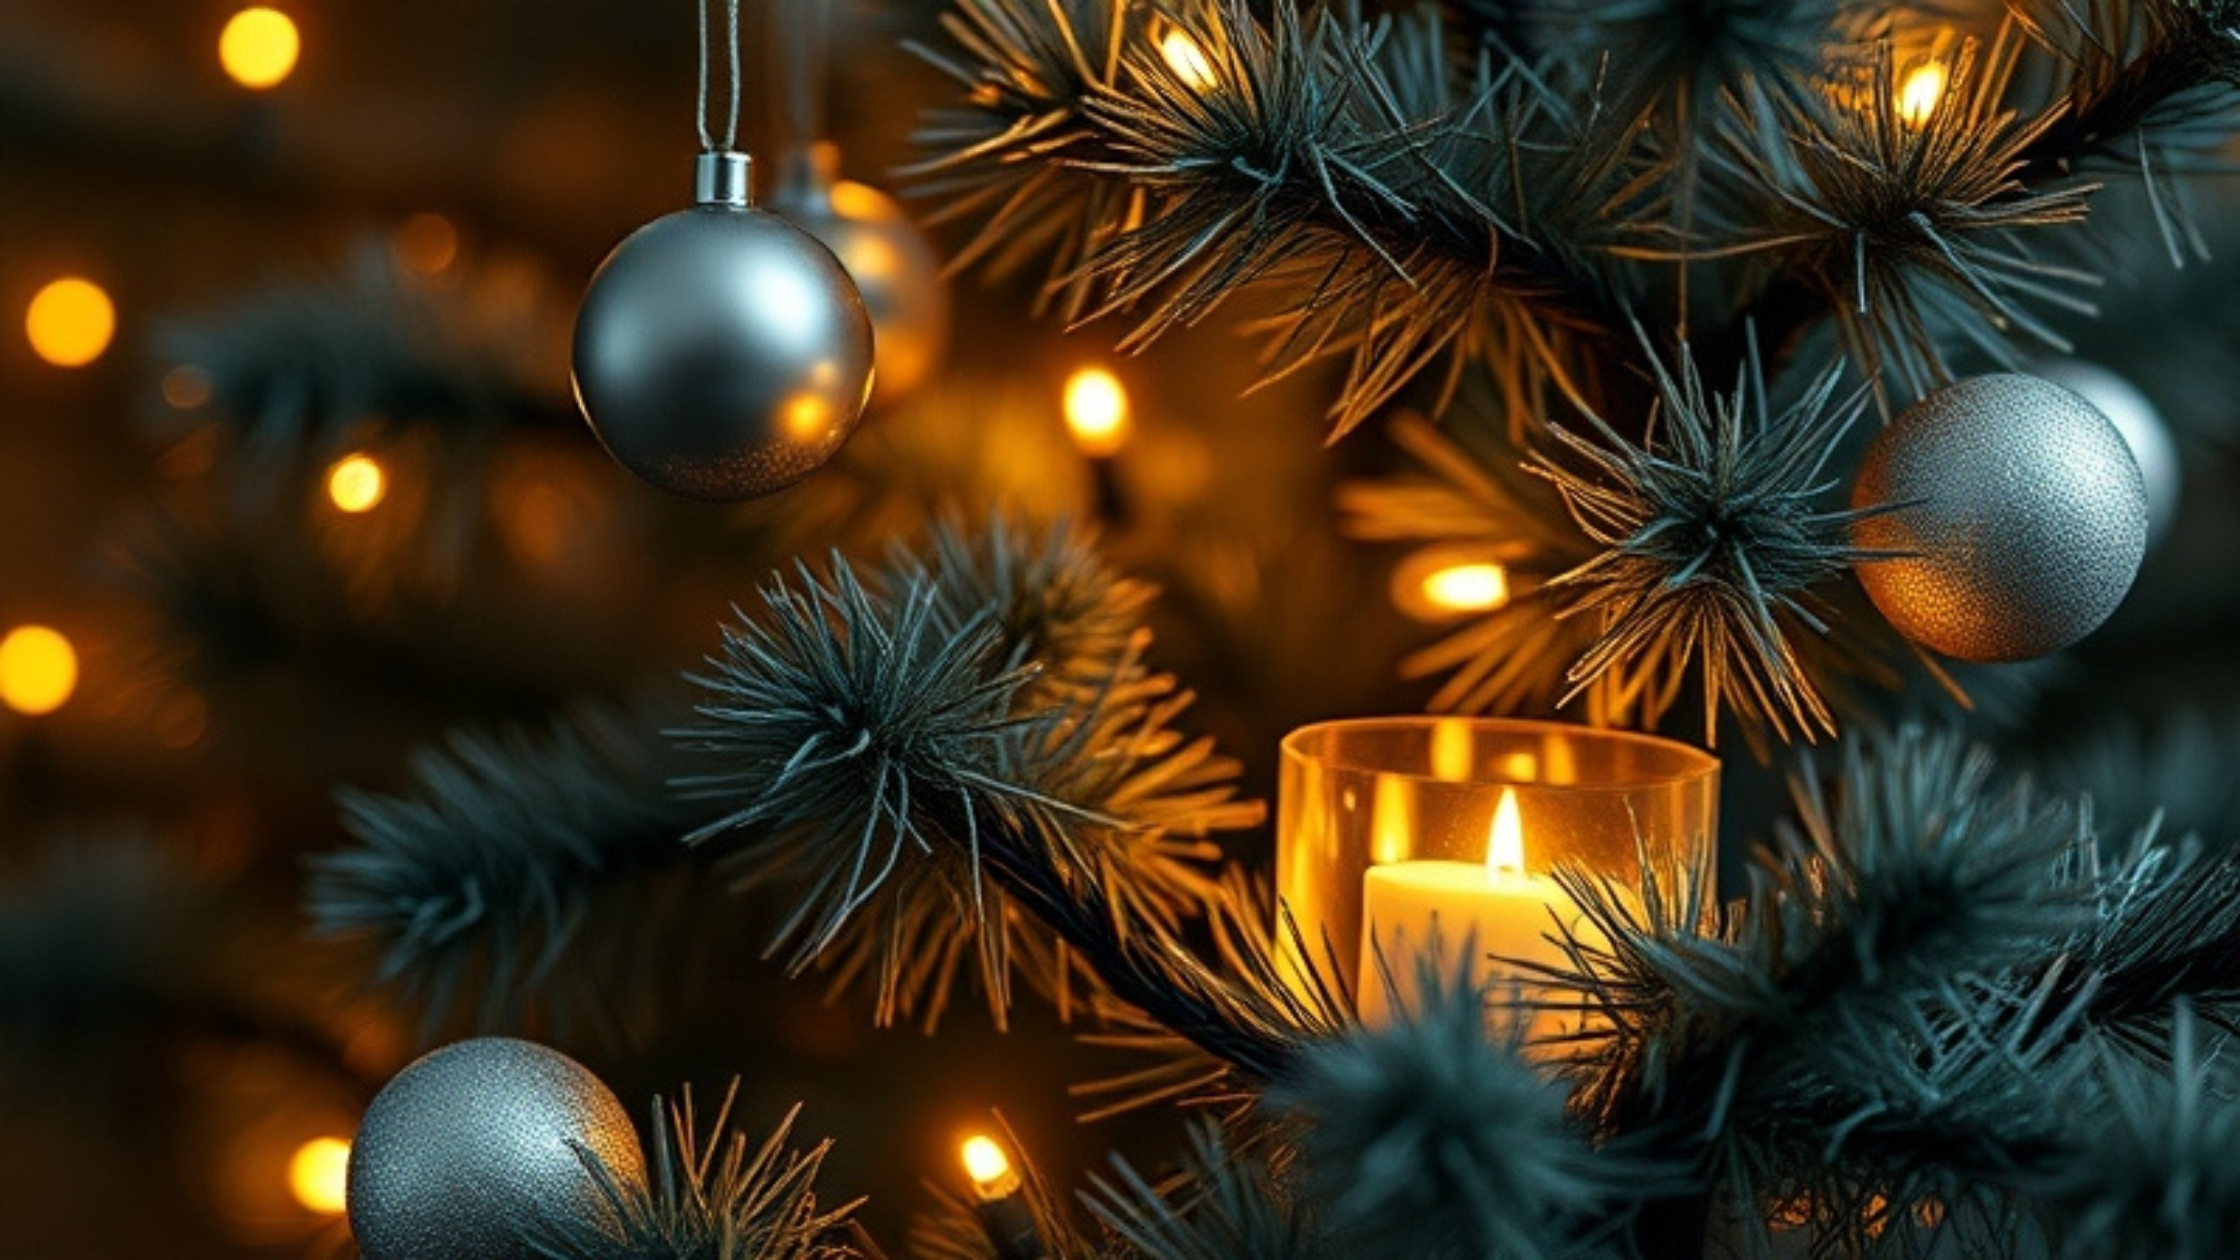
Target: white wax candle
x=1499 y=912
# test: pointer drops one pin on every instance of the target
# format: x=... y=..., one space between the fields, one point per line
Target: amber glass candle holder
x=1462 y=820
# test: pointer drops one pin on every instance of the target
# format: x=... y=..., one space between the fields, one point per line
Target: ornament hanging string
x=731 y=120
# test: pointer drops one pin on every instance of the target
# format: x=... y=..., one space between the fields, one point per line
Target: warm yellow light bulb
x=356 y=483
x=70 y=322
x=1505 y=846
x=1187 y=59
x=1477 y=587
x=1097 y=412
x=989 y=1168
x=38 y=670
x=258 y=47
x=318 y=1173
x=1920 y=93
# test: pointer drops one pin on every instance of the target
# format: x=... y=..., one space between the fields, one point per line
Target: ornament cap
x=723 y=179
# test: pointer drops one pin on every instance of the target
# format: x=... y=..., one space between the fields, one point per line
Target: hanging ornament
x=469 y=1148
x=893 y=265
x=2020 y=519
x=721 y=352
x=2143 y=430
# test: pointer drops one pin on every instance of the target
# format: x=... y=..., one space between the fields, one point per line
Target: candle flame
x=989 y=1168
x=1505 y=848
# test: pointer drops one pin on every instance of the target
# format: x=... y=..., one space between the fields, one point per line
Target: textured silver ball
x=2143 y=430
x=2022 y=514
x=722 y=353
x=468 y=1148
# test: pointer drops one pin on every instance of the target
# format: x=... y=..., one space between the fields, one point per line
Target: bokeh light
x=318 y=1173
x=356 y=483
x=258 y=47
x=1920 y=93
x=70 y=322
x=426 y=243
x=1467 y=587
x=38 y=670
x=1187 y=59
x=1096 y=406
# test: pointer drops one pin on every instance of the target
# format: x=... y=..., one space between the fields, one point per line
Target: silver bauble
x=468 y=1148
x=2143 y=430
x=892 y=263
x=2021 y=514
x=721 y=352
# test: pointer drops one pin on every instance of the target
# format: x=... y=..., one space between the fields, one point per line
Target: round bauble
x=468 y=1149
x=893 y=265
x=2143 y=430
x=722 y=353
x=2019 y=514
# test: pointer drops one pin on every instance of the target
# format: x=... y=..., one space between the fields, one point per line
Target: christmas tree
x=1342 y=438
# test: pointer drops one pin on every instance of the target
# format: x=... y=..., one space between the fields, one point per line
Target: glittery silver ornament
x=2143 y=430
x=721 y=352
x=2022 y=514
x=889 y=258
x=468 y=1148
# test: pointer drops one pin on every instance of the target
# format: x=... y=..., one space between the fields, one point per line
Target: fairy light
x=70 y=321
x=258 y=47
x=38 y=670
x=1187 y=59
x=989 y=1167
x=356 y=483
x=318 y=1174
x=1096 y=407
x=1921 y=92
x=1467 y=587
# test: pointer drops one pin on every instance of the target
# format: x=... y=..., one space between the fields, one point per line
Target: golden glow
x=861 y=203
x=1505 y=846
x=1452 y=750
x=186 y=387
x=989 y=1168
x=258 y=47
x=70 y=322
x=1467 y=587
x=317 y=1174
x=1392 y=821
x=1097 y=412
x=356 y=483
x=1518 y=767
x=1187 y=59
x=38 y=670
x=806 y=417
x=1920 y=93
x=426 y=243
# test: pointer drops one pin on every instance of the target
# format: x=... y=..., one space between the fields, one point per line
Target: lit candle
x=1496 y=906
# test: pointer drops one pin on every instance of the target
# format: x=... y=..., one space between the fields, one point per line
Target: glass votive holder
x=1393 y=832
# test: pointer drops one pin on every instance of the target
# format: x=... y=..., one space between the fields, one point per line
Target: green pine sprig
x=1712 y=535
x=706 y=1199
x=477 y=883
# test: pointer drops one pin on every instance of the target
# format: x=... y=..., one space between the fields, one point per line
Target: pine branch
x=1915 y=233
x=297 y=368
x=1711 y=542
x=2151 y=87
x=1434 y=1137
x=1229 y=1208
x=1327 y=157
x=707 y=1199
x=477 y=884
x=1871 y=1017
x=883 y=760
